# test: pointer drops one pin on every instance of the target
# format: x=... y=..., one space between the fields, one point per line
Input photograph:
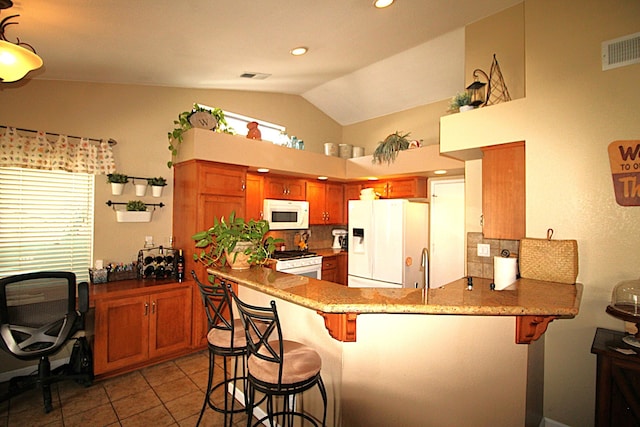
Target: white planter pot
x=117 y=188
x=134 y=216
x=141 y=189
x=466 y=108
x=156 y=190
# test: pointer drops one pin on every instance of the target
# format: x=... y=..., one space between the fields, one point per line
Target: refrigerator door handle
x=425 y=266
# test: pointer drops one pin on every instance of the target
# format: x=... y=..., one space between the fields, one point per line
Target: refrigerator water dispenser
x=358 y=240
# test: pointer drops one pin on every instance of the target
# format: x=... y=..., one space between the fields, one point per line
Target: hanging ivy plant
x=183 y=124
x=387 y=150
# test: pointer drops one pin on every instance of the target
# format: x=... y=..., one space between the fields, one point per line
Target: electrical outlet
x=484 y=249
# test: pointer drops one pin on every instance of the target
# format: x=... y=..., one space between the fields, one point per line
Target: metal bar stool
x=277 y=367
x=226 y=338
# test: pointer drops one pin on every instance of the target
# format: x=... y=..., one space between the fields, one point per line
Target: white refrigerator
x=388 y=241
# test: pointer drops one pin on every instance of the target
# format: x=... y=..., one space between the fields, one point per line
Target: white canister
x=358 y=151
x=330 y=149
x=346 y=151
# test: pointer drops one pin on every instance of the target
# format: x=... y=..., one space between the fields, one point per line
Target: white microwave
x=286 y=214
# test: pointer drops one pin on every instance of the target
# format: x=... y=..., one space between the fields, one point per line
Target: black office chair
x=38 y=316
x=226 y=339
x=278 y=367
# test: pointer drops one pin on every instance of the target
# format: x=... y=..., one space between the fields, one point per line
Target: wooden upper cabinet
x=326 y=203
x=255 y=196
x=412 y=187
x=216 y=178
x=284 y=188
x=503 y=191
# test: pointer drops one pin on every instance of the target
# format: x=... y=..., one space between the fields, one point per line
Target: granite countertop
x=526 y=297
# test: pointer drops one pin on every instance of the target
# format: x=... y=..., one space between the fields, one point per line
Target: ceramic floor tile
x=194 y=362
x=125 y=385
x=75 y=398
x=32 y=401
x=186 y=405
x=162 y=373
x=174 y=389
x=157 y=417
x=102 y=415
x=135 y=403
x=35 y=418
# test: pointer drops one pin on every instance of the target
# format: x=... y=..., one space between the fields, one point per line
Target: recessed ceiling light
x=323 y=178
x=440 y=172
x=372 y=178
x=297 y=51
x=263 y=170
x=380 y=4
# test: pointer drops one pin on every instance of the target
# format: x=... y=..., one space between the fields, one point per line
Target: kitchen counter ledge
x=534 y=303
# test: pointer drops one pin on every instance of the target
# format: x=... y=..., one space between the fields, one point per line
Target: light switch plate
x=484 y=249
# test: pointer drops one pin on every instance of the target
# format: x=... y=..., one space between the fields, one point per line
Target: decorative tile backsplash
x=478 y=266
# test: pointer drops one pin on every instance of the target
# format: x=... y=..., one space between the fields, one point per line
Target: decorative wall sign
x=624 y=158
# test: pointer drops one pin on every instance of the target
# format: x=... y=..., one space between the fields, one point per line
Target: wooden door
x=121 y=333
x=503 y=191
x=334 y=203
x=254 y=197
x=316 y=197
x=170 y=322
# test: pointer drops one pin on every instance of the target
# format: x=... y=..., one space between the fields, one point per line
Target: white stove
x=299 y=262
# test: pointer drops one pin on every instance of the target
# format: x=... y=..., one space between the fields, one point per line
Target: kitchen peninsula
x=444 y=356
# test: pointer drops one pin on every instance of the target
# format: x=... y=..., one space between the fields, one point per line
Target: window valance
x=37 y=152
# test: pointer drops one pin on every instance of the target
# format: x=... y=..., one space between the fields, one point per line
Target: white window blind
x=46 y=221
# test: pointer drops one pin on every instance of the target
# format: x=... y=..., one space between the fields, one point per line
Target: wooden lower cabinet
x=134 y=330
x=334 y=268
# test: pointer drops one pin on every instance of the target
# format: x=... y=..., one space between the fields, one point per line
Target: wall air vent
x=257 y=76
x=621 y=51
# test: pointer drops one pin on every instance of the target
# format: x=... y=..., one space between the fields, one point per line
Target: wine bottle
x=180 y=266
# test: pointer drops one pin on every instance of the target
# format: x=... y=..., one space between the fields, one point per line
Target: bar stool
x=277 y=367
x=226 y=338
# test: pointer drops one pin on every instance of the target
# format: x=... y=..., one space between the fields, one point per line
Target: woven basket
x=549 y=260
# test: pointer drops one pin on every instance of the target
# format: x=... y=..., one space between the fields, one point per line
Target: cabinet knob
x=153 y=308
x=146 y=308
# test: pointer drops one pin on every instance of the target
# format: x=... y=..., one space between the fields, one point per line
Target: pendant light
x=16 y=59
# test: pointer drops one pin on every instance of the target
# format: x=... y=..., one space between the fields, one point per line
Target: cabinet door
x=254 y=197
x=169 y=322
x=334 y=203
x=315 y=196
x=329 y=271
x=412 y=187
x=342 y=268
x=121 y=333
x=503 y=191
x=280 y=187
x=216 y=178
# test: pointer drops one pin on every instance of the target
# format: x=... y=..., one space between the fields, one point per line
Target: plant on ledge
x=235 y=240
x=462 y=99
x=387 y=150
x=208 y=118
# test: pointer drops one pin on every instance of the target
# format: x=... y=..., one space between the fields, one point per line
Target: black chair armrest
x=83 y=297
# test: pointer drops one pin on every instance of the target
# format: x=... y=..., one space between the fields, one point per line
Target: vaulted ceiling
x=362 y=62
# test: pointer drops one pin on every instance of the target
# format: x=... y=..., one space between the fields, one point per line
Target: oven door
x=313 y=271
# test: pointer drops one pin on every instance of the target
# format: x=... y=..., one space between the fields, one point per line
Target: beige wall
x=139 y=117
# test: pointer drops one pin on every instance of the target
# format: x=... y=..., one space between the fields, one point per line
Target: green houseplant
x=117 y=181
x=217 y=122
x=387 y=150
x=236 y=241
x=157 y=184
x=136 y=206
x=461 y=100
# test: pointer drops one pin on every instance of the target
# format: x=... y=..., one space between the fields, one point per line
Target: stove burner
x=285 y=255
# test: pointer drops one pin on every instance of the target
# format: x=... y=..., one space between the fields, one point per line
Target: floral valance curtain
x=37 y=152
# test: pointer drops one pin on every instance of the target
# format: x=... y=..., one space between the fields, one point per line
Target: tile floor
x=167 y=394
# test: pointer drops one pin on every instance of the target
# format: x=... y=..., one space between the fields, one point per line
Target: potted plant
x=387 y=150
x=117 y=181
x=235 y=241
x=461 y=102
x=208 y=118
x=157 y=184
x=136 y=211
x=141 y=189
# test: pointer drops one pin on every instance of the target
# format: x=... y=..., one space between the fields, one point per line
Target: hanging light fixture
x=476 y=89
x=16 y=59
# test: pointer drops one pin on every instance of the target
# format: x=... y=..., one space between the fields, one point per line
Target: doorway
x=447 y=231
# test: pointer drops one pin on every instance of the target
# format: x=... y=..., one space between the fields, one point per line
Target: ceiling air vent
x=621 y=51
x=258 y=76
